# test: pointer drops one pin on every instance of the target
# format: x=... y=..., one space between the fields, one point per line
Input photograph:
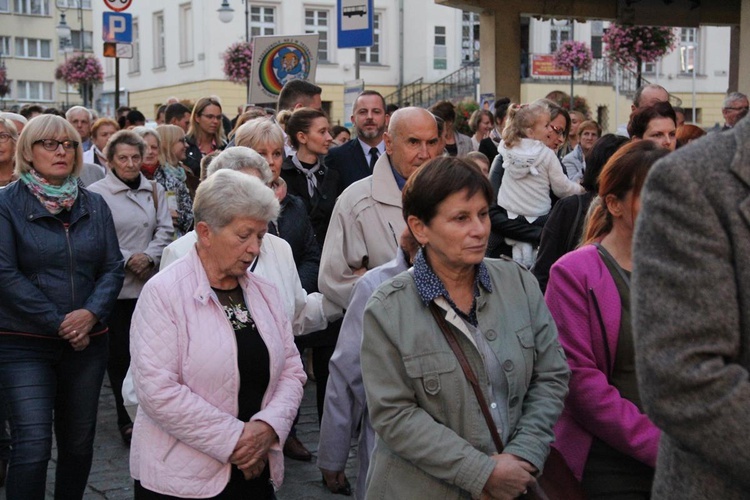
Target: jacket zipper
x=70 y=260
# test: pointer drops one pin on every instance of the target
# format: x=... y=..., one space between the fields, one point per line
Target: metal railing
x=456 y=86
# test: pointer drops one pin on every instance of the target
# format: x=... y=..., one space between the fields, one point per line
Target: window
x=469 y=36
x=4 y=5
x=186 y=33
x=372 y=55
x=75 y=37
x=134 y=65
x=73 y=4
x=34 y=91
x=159 y=49
x=597 y=31
x=33 y=8
x=5 y=46
x=33 y=48
x=559 y=33
x=649 y=68
x=316 y=21
x=689 y=44
x=262 y=21
x=440 y=51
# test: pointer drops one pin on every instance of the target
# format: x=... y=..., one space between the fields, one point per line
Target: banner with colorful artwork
x=279 y=59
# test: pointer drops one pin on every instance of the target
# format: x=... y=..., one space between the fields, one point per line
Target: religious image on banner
x=279 y=59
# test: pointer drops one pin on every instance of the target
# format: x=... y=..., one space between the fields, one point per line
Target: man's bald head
x=648 y=95
x=411 y=140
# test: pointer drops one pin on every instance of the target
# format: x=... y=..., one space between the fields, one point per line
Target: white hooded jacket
x=531 y=169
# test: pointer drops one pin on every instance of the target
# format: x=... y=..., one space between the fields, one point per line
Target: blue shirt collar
x=400 y=181
x=430 y=287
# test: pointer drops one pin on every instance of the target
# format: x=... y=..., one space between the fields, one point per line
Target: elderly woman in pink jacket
x=603 y=433
x=215 y=368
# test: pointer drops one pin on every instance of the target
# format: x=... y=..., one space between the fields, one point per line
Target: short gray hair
x=228 y=194
x=731 y=98
x=241 y=158
x=78 y=109
x=127 y=137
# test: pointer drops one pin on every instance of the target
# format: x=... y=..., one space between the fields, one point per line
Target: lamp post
x=226 y=14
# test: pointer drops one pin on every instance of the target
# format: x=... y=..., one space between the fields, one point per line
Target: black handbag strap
x=468 y=372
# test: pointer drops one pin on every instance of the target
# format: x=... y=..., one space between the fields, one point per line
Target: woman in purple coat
x=603 y=433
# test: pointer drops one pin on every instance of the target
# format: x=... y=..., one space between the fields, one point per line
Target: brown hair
x=301 y=121
x=626 y=171
x=589 y=124
x=688 y=133
x=438 y=179
x=194 y=131
x=101 y=122
x=641 y=118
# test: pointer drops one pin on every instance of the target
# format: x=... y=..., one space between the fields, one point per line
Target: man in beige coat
x=367 y=217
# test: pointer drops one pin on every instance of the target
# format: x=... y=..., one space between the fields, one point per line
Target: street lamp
x=65 y=46
x=226 y=14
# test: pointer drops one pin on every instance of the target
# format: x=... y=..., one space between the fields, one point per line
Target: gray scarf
x=312 y=181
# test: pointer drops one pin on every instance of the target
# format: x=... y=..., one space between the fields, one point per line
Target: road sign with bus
x=354 y=23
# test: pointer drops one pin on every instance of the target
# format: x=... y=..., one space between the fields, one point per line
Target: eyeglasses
x=53 y=144
x=5 y=137
x=211 y=117
x=742 y=108
x=560 y=132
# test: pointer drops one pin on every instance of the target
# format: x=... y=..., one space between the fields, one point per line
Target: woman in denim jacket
x=61 y=271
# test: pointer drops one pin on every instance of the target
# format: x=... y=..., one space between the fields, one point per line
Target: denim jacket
x=48 y=270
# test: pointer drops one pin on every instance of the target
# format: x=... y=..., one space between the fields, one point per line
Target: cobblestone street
x=110 y=477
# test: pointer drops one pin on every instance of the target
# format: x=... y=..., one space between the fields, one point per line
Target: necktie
x=374 y=153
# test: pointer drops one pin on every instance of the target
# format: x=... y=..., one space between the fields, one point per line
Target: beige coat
x=141 y=228
x=363 y=232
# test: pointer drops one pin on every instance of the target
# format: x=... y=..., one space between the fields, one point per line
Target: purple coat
x=578 y=282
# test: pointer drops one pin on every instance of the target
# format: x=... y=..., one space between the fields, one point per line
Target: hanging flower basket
x=80 y=69
x=572 y=56
x=238 y=61
x=629 y=46
x=4 y=82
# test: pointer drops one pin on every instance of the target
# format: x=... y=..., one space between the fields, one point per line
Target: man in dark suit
x=355 y=159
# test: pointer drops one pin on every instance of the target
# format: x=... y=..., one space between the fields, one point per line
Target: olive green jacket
x=433 y=441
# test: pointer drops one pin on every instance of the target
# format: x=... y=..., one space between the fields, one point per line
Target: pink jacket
x=593 y=406
x=184 y=363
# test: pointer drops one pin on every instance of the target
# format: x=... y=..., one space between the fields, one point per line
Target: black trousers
x=119 y=353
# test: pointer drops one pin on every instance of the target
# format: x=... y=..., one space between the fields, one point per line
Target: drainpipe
x=400 y=52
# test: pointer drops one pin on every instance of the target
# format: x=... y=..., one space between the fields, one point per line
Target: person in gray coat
x=433 y=441
x=691 y=286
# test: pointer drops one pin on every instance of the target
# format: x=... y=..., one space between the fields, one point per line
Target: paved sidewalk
x=110 y=477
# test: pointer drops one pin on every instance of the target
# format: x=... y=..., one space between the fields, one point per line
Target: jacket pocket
x=428 y=368
x=528 y=349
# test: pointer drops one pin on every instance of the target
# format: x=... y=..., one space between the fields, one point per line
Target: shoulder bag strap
x=468 y=372
x=154 y=196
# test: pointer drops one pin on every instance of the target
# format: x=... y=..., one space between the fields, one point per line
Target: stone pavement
x=110 y=477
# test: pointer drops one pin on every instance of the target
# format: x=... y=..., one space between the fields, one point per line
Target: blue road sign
x=354 y=23
x=117 y=27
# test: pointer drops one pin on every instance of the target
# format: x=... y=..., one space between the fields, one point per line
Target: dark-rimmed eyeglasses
x=4 y=137
x=211 y=117
x=53 y=144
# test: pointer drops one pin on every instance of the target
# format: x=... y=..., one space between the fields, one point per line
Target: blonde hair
x=257 y=132
x=282 y=117
x=45 y=127
x=169 y=135
x=520 y=118
x=10 y=127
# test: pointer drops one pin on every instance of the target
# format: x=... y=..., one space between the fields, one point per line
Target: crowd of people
x=463 y=303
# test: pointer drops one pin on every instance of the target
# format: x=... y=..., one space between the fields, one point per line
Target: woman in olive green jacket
x=433 y=441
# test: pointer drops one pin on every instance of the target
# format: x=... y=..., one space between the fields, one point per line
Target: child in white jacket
x=531 y=170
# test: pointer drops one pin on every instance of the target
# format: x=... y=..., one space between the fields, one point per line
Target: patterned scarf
x=177 y=172
x=54 y=198
x=312 y=182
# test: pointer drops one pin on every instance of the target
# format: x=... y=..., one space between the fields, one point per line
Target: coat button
x=490 y=335
x=431 y=385
x=508 y=365
x=513 y=401
x=145 y=224
x=398 y=284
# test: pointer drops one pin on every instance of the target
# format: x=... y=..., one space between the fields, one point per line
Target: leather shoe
x=3 y=472
x=294 y=449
